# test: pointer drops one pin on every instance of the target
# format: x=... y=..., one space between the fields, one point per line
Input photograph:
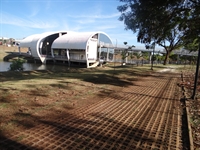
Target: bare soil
x=99 y=108
x=113 y=107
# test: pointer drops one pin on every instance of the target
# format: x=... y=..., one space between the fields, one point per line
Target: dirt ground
x=102 y=108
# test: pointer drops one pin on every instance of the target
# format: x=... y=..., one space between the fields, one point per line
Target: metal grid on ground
x=143 y=116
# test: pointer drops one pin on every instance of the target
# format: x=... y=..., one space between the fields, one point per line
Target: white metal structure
x=69 y=47
x=39 y=44
x=81 y=47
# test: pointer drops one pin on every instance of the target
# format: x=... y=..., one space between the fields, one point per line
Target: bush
x=17 y=65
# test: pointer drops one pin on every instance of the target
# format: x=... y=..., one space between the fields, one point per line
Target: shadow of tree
x=12 y=144
x=92 y=75
x=94 y=130
x=76 y=132
x=107 y=79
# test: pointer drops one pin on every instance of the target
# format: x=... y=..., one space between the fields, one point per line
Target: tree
x=191 y=29
x=17 y=65
x=158 y=58
x=124 y=54
x=192 y=45
x=173 y=57
x=145 y=55
x=125 y=43
x=138 y=56
x=191 y=22
x=155 y=21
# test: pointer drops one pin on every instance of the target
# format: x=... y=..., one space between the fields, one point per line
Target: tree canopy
x=171 y=24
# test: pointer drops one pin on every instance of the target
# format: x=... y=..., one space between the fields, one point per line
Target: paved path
x=146 y=115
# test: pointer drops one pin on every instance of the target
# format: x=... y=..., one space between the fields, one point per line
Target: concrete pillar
x=99 y=52
x=107 y=57
x=67 y=52
x=19 y=50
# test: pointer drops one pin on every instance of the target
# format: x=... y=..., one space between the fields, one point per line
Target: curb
x=186 y=98
x=189 y=127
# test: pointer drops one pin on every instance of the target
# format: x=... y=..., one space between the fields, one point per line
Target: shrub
x=17 y=65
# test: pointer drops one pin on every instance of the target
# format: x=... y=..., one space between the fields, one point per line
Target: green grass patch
x=3 y=105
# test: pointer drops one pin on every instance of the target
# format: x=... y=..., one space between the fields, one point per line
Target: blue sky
x=21 y=18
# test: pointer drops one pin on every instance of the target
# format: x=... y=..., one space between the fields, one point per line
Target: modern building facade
x=71 y=48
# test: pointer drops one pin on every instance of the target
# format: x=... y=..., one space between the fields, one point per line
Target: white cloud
x=105 y=27
x=85 y=21
x=17 y=21
x=96 y=16
x=34 y=11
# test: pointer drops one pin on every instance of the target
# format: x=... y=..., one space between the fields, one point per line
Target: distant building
x=7 y=41
x=72 y=48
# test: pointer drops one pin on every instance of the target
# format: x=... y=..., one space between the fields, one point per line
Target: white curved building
x=72 y=48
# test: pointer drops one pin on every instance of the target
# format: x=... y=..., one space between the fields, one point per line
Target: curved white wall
x=34 y=42
x=65 y=40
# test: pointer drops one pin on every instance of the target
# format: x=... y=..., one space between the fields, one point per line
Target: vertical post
x=196 y=74
x=115 y=54
x=99 y=55
x=178 y=59
x=107 y=56
x=67 y=53
x=132 y=59
x=115 y=57
x=19 y=50
x=152 y=59
x=126 y=59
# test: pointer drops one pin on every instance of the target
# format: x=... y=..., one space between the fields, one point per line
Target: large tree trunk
x=166 y=57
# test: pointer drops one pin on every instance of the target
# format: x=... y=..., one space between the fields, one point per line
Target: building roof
x=26 y=42
x=73 y=40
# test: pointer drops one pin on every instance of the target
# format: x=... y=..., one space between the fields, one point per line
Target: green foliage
x=154 y=57
x=124 y=54
x=191 y=59
x=153 y=20
x=191 y=21
x=192 y=46
x=162 y=57
x=167 y=23
x=17 y=65
x=173 y=57
x=131 y=55
x=138 y=55
x=145 y=55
